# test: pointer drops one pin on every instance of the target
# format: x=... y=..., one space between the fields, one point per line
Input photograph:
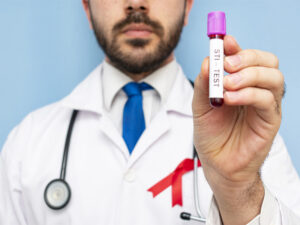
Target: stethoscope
x=189 y=216
x=58 y=192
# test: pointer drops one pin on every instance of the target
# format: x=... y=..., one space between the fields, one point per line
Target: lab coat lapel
x=87 y=96
x=158 y=127
x=109 y=129
x=180 y=102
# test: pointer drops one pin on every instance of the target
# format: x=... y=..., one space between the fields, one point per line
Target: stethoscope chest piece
x=57 y=194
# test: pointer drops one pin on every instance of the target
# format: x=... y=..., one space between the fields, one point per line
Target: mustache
x=139 y=17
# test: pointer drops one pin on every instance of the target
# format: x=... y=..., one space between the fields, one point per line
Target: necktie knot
x=134 y=88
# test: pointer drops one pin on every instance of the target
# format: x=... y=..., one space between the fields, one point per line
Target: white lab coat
x=109 y=186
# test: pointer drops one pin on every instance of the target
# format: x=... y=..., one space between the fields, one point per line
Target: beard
x=145 y=62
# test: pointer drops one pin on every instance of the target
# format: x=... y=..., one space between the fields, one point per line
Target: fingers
x=254 y=73
x=262 y=77
x=238 y=59
x=231 y=47
x=262 y=99
x=250 y=58
x=255 y=79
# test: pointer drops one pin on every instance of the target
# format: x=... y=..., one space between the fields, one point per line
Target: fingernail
x=235 y=78
x=234 y=60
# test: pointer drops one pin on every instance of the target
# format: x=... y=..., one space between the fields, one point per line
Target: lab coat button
x=130 y=176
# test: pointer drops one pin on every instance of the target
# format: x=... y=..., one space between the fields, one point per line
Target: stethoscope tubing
x=67 y=146
x=196 y=187
x=189 y=216
x=62 y=179
x=58 y=193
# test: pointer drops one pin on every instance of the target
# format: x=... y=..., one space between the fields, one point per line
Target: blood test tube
x=216 y=31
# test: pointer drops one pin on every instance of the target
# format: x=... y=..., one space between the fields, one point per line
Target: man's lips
x=137 y=30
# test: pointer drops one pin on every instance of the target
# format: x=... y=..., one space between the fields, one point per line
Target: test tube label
x=216 y=68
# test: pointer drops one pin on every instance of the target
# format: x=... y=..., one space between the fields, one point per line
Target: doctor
x=129 y=138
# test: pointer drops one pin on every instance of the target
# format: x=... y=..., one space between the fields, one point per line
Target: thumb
x=201 y=103
x=231 y=47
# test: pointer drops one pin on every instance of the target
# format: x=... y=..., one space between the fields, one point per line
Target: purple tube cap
x=216 y=23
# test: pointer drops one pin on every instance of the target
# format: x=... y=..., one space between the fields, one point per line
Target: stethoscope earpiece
x=57 y=194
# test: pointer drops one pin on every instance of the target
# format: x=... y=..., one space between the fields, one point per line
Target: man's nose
x=136 y=6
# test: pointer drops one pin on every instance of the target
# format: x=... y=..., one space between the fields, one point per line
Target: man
x=115 y=163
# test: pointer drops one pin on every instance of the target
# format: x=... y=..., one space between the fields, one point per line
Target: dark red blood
x=216 y=102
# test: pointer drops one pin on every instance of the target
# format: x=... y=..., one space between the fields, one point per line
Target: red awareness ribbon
x=175 y=180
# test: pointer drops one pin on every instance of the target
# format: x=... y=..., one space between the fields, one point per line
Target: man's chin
x=137 y=55
x=134 y=61
x=137 y=60
x=138 y=43
x=134 y=64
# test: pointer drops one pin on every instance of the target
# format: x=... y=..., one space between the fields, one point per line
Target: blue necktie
x=133 y=115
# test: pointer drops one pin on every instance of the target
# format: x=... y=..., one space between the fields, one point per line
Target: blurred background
x=47 y=48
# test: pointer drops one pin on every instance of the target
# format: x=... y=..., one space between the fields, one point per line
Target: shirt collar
x=113 y=80
x=161 y=80
x=176 y=95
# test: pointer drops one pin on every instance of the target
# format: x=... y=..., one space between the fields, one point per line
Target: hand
x=233 y=141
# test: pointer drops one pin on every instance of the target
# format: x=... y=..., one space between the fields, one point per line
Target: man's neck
x=137 y=77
